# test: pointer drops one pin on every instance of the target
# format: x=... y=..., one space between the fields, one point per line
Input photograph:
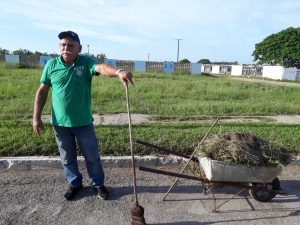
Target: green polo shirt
x=71 y=90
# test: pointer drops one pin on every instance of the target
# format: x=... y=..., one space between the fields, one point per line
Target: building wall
x=215 y=69
x=206 y=68
x=12 y=60
x=196 y=68
x=236 y=70
x=140 y=66
x=291 y=74
x=273 y=72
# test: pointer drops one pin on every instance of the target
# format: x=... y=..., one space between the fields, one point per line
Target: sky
x=217 y=30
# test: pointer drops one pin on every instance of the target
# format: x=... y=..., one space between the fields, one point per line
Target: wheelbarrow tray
x=219 y=171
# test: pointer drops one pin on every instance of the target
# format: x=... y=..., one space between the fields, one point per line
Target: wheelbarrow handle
x=165 y=150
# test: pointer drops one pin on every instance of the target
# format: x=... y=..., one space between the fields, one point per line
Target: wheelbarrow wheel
x=263 y=196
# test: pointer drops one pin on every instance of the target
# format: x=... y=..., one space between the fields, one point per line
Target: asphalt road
x=35 y=197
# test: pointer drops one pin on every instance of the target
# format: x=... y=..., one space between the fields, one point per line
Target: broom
x=137 y=212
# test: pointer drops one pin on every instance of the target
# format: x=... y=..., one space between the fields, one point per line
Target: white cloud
x=202 y=24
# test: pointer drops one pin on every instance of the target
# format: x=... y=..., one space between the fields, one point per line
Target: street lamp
x=178 y=40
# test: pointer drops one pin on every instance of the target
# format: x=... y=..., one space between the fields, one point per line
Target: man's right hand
x=37 y=126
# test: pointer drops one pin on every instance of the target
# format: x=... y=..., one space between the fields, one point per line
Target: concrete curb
x=46 y=162
x=43 y=162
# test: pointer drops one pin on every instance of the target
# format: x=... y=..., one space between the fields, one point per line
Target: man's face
x=69 y=50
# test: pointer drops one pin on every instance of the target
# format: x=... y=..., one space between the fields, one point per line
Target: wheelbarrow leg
x=224 y=202
x=191 y=157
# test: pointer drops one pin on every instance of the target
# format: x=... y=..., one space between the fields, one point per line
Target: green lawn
x=160 y=95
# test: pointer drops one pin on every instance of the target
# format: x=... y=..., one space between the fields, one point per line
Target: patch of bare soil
x=122 y=119
x=280 y=83
x=287 y=119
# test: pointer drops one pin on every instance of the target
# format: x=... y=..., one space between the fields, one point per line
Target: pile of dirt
x=244 y=148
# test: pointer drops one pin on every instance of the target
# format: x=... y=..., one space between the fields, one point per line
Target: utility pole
x=178 y=40
x=148 y=56
x=88 y=47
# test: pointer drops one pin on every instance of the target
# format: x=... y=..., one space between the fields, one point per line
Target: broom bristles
x=137 y=211
x=137 y=215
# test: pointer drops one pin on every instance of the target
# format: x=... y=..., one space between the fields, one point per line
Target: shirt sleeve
x=45 y=75
x=94 y=70
x=92 y=63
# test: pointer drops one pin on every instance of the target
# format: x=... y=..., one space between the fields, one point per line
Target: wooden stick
x=131 y=146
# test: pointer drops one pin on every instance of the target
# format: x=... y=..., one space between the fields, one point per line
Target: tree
x=53 y=55
x=282 y=48
x=4 y=51
x=204 y=61
x=37 y=53
x=225 y=63
x=101 y=57
x=22 y=52
x=184 y=61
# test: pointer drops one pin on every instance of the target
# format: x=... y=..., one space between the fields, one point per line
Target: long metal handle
x=166 y=150
x=131 y=146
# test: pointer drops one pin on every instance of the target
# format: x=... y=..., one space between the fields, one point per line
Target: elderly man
x=69 y=77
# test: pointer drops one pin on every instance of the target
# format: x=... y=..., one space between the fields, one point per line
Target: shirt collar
x=74 y=63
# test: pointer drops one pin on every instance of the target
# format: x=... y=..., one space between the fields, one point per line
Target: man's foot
x=102 y=192
x=72 y=191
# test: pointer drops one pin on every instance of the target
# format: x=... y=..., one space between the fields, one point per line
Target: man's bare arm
x=110 y=71
x=39 y=103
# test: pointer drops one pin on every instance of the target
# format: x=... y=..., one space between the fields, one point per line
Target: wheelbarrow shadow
x=291 y=187
x=295 y=213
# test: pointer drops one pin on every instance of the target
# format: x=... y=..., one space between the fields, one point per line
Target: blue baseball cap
x=69 y=34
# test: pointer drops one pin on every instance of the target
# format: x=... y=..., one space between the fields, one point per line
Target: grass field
x=162 y=95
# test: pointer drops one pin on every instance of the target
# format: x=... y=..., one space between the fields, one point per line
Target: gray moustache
x=67 y=52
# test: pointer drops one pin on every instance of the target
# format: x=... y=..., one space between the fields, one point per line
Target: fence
x=152 y=66
x=125 y=64
x=273 y=72
x=224 y=69
x=157 y=67
x=29 y=60
x=183 y=68
x=252 y=70
x=141 y=66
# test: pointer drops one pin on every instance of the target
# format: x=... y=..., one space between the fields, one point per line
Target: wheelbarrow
x=261 y=182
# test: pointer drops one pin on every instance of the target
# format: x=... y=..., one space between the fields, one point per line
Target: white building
x=236 y=70
x=272 y=72
x=281 y=73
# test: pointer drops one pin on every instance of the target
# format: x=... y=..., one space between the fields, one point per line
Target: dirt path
x=121 y=119
x=280 y=83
